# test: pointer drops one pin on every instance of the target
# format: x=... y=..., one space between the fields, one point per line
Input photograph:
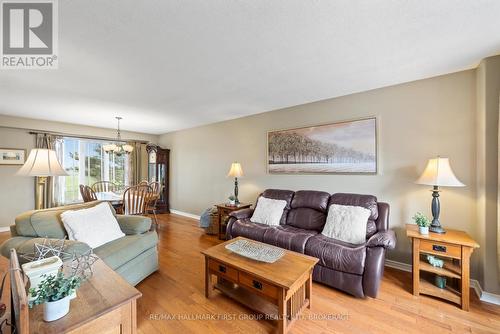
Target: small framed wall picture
x=12 y=156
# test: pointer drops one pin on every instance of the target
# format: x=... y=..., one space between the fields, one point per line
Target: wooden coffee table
x=280 y=290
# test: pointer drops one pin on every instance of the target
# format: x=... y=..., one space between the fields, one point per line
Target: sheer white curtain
x=50 y=196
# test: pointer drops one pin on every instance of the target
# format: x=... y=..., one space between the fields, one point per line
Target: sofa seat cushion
x=245 y=228
x=120 y=251
x=288 y=237
x=337 y=255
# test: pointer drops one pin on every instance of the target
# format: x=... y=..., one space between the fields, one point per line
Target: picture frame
x=343 y=147
x=12 y=156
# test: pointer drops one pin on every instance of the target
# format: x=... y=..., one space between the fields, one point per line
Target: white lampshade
x=42 y=162
x=109 y=147
x=128 y=148
x=438 y=172
x=236 y=170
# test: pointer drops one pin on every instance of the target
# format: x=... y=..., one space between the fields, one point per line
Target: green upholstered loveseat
x=133 y=256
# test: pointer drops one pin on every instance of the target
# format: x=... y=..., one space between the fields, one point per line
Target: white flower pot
x=423 y=230
x=56 y=310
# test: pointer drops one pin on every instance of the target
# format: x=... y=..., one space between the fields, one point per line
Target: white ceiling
x=166 y=65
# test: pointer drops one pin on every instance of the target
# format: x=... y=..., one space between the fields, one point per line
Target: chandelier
x=118 y=147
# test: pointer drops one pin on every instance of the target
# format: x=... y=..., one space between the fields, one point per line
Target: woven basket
x=214 y=223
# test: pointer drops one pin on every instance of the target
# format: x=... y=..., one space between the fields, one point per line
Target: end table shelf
x=223 y=211
x=454 y=248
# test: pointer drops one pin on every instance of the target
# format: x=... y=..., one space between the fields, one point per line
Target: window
x=86 y=163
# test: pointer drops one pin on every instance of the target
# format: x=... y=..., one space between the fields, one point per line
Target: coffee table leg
x=282 y=312
x=309 y=290
x=208 y=280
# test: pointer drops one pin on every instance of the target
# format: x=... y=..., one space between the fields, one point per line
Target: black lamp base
x=437 y=229
x=236 y=200
x=436 y=208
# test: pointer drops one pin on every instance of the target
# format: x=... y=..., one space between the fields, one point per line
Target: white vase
x=56 y=310
x=423 y=230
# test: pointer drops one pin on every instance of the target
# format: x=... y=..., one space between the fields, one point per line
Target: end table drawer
x=223 y=270
x=259 y=286
x=440 y=248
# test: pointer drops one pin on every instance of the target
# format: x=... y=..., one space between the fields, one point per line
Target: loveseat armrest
x=242 y=214
x=234 y=216
x=386 y=239
x=131 y=225
x=26 y=245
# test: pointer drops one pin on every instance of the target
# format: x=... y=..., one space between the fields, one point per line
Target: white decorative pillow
x=268 y=211
x=346 y=223
x=94 y=226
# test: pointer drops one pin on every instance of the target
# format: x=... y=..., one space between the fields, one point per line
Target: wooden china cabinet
x=158 y=170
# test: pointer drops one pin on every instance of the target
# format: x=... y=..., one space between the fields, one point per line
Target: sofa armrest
x=241 y=214
x=386 y=239
x=26 y=245
x=131 y=225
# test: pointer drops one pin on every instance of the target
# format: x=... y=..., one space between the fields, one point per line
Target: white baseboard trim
x=185 y=214
x=398 y=265
x=484 y=296
x=4 y=229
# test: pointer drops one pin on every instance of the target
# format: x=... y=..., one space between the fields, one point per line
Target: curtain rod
x=35 y=132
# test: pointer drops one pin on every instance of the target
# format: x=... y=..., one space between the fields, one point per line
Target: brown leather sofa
x=355 y=269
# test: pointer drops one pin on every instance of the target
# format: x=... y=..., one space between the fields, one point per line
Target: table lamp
x=438 y=173
x=236 y=171
x=41 y=163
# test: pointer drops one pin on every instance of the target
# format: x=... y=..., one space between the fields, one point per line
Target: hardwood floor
x=174 y=302
x=177 y=291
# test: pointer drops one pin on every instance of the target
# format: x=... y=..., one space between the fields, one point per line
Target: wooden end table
x=280 y=290
x=223 y=211
x=105 y=303
x=455 y=248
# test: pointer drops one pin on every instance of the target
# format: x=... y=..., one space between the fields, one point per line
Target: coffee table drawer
x=223 y=270
x=258 y=285
x=440 y=248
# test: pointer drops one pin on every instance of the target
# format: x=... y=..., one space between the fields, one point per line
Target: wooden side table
x=455 y=248
x=223 y=210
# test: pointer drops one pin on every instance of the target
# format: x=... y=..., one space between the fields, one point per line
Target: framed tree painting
x=12 y=156
x=348 y=147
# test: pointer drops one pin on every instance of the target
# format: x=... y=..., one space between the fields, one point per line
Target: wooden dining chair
x=136 y=199
x=151 y=207
x=104 y=186
x=143 y=183
x=88 y=195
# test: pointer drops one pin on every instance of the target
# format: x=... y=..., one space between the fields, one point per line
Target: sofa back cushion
x=366 y=201
x=286 y=195
x=308 y=210
x=47 y=223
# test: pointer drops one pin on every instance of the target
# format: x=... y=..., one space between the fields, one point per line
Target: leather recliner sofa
x=355 y=269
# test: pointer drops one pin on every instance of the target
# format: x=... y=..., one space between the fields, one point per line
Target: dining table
x=115 y=198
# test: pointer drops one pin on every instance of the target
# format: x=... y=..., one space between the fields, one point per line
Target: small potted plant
x=423 y=223
x=54 y=292
x=232 y=200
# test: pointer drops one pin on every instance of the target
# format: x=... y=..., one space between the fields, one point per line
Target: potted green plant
x=232 y=200
x=423 y=223
x=54 y=292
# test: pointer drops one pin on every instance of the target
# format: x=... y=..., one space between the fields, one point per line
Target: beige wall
x=417 y=121
x=17 y=193
x=488 y=90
